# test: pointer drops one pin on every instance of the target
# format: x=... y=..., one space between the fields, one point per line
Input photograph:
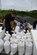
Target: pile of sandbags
x=18 y=41
x=10 y=45
x=20 y=38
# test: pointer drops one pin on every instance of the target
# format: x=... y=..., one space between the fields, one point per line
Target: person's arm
x=4 y=23
x=12 y=24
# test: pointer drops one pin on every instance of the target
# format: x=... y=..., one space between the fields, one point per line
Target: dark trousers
x=9 y=30
x=26 y=30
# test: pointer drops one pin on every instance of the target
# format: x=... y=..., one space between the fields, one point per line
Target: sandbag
x=11 y=53
x=20 y=53
x=16 y=41
x=0 y=28
x=29 y=40
x=7 y=37
x=2 y=33
x=28 y=48
x=12 y=40
x=13 y=48
x=1 y=45
x=7 y=33
x=21 y=48
x=14 y=35
x=22 y=33
x=17 y=29
x=7 y=47
x=18 y=36
x=28 y=35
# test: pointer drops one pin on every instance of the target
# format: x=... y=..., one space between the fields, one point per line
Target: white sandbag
x=23 y=39
x=17 y=29
x=7 y=34
x=28 y=33
x=1 y=45
x=7 y=47
x=16 y=40
x=21 y=48
x=18 y=36
x=2 y=33
x=28 y=48
x=7 y=37
x=11 y=53
x=29 y=40
x=28 y=36
x=13 y=48
x=22 y=33
x=18 y=33
x=14 y=35
x=20 y=53
x=12 y=40
x=0 y=28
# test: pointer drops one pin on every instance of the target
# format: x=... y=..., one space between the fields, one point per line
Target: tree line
x=32 y=14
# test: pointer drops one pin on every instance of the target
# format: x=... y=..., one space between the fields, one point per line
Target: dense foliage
x=21 y=13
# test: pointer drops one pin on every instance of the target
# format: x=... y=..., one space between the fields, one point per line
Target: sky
x=22 y=5
x=0 y=3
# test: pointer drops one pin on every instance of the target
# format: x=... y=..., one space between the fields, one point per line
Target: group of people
x=23 y=26
x=10 y=24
